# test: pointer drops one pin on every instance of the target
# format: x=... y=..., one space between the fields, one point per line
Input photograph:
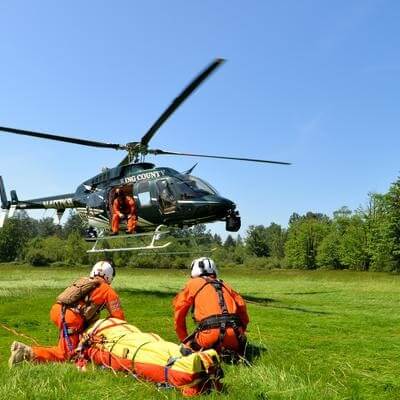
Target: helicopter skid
x=150 y=247
x=155 y=236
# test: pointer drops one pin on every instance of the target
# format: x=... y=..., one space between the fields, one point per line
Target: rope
x=14 y=332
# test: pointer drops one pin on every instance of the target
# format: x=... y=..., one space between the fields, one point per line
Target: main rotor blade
x=67 y=139
x=180 y=99
x=173 y=153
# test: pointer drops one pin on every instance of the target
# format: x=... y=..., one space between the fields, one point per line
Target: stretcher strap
x=116 y=342
x=136 y=352
x=97 y=330
x=170 y=363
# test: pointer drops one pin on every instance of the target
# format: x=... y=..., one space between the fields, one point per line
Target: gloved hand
x=185 y=351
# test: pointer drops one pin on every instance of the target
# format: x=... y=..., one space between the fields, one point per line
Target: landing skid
x=155 y=236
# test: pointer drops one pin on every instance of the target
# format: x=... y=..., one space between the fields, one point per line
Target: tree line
x=364 y=239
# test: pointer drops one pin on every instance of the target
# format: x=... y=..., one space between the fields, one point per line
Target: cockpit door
x=166 y=196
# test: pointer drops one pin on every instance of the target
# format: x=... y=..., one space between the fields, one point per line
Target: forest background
x=366 y=239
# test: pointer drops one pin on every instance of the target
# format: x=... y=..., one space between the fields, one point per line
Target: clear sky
x=316 y=83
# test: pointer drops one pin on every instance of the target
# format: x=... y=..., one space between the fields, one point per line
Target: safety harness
x=222 y=321
x=66 y=331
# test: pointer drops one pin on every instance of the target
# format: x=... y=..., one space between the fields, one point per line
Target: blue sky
x=311 y=82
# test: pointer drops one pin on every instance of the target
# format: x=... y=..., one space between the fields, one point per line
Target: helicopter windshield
x=199 y=186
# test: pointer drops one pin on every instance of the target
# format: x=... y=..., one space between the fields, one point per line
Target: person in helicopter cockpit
x=167 y=199
x=123 y=206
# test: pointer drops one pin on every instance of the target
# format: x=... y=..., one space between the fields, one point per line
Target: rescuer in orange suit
x=219 y=312
x=72 y=320
x=123 y=207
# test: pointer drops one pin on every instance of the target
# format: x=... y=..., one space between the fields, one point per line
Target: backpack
x=78 y=290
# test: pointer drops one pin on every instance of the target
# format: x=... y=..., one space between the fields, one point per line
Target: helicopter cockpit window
x=184 y=190
x=166 y=195
x=143 y=194
x=200 y=186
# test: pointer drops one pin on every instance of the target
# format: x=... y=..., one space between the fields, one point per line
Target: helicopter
x=163 y=196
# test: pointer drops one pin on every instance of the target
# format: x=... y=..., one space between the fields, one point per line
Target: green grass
x=326 y=334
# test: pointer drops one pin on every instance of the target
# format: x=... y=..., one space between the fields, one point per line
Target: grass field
x=325 y=334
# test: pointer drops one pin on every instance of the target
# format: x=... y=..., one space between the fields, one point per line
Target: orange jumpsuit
x=126 y=206
x=146 y=371
x=206 y=304
x=103 y=296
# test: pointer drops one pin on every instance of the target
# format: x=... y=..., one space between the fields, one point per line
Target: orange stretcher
x=123 y=347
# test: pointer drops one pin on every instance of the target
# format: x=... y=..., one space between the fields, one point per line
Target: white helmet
x=104 y=269
x=203 y=266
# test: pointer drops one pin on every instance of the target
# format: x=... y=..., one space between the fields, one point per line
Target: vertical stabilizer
x=5 y=204
x=3 y=196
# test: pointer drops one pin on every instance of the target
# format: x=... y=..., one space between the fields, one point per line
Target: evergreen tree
x=229 y=241
x=46 y=227
x=217 y=239
x=74 y=223
x=276 y=237
x=257 y=241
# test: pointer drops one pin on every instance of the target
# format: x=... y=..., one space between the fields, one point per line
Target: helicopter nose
x=224 y=205
x=228 y=204
x=230 y=215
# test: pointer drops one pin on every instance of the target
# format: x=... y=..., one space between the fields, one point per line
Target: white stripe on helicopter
x=58 y=203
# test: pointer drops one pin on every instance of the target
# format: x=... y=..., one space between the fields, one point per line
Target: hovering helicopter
x=163 y=196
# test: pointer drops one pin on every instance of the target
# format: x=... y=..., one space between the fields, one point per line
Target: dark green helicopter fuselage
x=162 y=195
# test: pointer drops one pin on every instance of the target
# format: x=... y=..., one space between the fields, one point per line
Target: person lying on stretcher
x=119 y=346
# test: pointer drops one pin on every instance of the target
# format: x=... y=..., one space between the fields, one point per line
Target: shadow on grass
x=269 y=302
x=263 y=301
x=303 y=310
x=308 y=293
x=260 y=301
x=156 y=293
x=253 y=352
